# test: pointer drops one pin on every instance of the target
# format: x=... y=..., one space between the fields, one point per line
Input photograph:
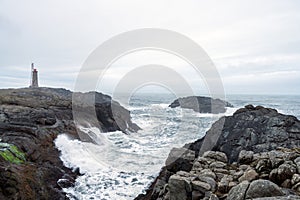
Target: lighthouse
x=34 y=77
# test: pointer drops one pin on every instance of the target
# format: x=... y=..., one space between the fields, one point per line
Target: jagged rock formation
x=30 y=120
x=253 y=154
x=201 y=104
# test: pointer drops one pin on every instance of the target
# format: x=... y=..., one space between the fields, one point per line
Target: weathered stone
x=296 y=187
x=216 y=155
x=204 y=161
x=238 y=192
x=180 y=159
x=208 y=173
x=196 y=195
x=245 y=157
x=179 y=188
x=197 y=166
x=209 y=181
x=286 y=184
x=217 y=164
x=249 y=175
x=263 y=188
x=243 y=167
x=297 y=162
x=283 y=172
x=200 y=186
x=295 y=179
x=237 y=175
x=232 y=184
x=219 y=176
x=223 y=185
x=183 y=174
x=276 y=158
x=263 y=165
x=213 y=197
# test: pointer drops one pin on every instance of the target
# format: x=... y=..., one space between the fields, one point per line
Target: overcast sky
x=255 y=45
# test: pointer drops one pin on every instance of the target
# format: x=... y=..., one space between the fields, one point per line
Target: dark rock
x=200 y=186
x=290 y=197
x=283 y=172
x=180 y=188
x=201 y=104
x=263 y=188
x=180 y=159
x=238 y=192
x=249 y=175
x=295 y=179
x=223 y=185
x=245 y=157
x=209 y=180
x=214 y=155
x=256 y=129
x=196 y=195
x=31 y=119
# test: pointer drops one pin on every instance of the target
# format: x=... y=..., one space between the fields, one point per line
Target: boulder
x=216 y=155
x=201 y=104
x=245 y=157
x=180 y=188
x=256 y=129
x=238 y=192
x=249 y=175
x=263 y=188
x=180 y=159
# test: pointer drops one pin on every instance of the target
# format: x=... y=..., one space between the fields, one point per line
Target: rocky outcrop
x=253 y=154
x=201 y=104
x=30 y=120
x=251 y=128
x=212 y=177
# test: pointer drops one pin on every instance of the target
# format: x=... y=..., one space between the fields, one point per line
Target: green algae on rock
x=11 y=153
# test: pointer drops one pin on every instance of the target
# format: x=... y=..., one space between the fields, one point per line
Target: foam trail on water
x=100 y=181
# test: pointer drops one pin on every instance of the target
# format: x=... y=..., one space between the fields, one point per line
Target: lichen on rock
x=11 y=153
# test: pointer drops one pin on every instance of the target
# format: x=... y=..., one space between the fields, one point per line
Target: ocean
x=124 y=165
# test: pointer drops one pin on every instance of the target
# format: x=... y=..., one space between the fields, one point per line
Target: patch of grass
x=11 y=153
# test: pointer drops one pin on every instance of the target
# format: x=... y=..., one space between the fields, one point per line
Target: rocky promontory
x=30 y=120
x=201 y=104
x=253 y=154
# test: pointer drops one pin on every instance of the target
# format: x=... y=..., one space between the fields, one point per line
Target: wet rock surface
x=31 y=119
x=255 y=156
x=201 y=104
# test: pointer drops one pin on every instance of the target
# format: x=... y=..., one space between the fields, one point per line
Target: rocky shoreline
x=30 y=121
x=253 y=154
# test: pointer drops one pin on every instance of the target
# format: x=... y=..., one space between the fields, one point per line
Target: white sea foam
x=100 y=180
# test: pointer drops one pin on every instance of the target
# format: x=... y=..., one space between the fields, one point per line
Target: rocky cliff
x=253 y=154
x=201 y=104
x=30 y=120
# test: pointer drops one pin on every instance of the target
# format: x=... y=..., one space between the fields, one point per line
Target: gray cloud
x=245 y=39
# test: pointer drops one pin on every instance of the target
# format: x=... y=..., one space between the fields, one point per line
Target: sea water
x=124 y=165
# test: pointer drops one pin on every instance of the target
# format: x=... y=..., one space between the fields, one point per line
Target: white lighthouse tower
x=34 y=77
